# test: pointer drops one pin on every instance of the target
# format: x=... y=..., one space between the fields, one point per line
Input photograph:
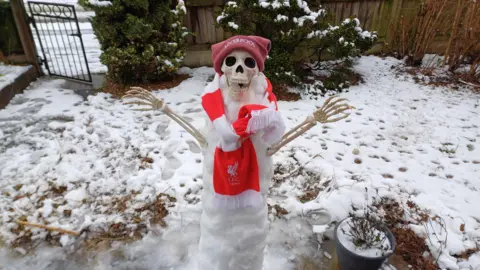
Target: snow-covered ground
x=59 y=152
x=8 y=73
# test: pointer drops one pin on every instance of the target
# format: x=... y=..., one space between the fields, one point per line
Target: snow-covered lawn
x=77 y=164
x=9 y=73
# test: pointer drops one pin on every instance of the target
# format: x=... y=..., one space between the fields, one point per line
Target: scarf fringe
x=248 y=198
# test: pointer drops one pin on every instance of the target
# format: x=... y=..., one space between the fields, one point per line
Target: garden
x=87 y=182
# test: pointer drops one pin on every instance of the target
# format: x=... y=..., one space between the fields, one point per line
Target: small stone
x=67 y=212
x=358 y=161
x=356 y=151
x=387 y=175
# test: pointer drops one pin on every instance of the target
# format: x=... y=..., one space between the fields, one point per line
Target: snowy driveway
x=404 y=140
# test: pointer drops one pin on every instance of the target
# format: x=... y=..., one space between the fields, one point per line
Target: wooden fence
x=374 y=15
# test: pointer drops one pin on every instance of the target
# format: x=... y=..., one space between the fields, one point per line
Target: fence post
x=25 y=34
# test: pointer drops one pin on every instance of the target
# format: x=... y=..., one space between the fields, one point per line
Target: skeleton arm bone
x=153 y=103
x=323 y=115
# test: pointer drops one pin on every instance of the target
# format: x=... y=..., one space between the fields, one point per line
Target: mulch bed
x=454 y=81
x=118 y=90
x=410 y=246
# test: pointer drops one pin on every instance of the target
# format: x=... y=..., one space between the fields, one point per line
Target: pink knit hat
x=257 y=46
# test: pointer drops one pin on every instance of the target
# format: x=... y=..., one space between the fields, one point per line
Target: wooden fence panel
x=200 y=20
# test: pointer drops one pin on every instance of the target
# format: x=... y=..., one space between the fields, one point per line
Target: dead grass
x=153 y=213
x=410 y=246
x=313 y=185
x=118 y=90
x=145 y=163
x=277 y=210
x=467 y=253
x=309 y=195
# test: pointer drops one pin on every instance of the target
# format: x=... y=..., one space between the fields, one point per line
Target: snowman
x=243 y=130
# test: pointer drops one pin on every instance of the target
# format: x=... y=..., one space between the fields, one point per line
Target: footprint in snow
x=190 y=110
x=170 y=166
x=194 y=147
x=38 y=100
x=19 y=100
x=162 y=129
x=32 y=109
x=172 y=163
x=189 y=101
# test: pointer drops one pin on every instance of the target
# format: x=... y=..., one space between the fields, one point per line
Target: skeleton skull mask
x=239 y=67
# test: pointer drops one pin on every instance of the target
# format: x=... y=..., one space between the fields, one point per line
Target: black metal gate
x=60 y=40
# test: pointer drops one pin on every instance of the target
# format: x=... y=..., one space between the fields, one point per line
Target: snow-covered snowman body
x=243 y=130
x=235 y=239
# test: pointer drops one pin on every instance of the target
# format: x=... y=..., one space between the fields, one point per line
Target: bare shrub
x=463 y=45
x=431 y=20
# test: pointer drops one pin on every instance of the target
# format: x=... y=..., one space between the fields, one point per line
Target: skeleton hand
x=330 y=109
x=146 y=98
x=323 y=115
x=153 y=103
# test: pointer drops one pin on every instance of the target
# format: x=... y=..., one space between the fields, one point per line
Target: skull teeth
x=238 y=81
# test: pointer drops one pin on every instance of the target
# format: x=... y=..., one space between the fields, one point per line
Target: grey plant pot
x=348 y=260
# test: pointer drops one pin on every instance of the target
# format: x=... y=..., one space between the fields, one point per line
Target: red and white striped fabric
x=236 y=175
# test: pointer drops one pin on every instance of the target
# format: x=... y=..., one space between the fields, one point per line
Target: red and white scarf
x=236 y=179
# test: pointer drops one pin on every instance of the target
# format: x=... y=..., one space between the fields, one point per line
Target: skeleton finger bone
x=139 y=96
x=328 y=102
x=337 y=107
x=337 y=119
x=336 y=112
x=138 y=103
x=140 y=93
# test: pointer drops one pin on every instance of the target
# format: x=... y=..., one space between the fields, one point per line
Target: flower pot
x=349 y=260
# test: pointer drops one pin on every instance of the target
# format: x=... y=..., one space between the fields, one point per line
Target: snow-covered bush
x=141 y=40
x=299 y=35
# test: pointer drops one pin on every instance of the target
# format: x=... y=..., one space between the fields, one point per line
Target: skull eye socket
x=230 y=61
x=250 y=62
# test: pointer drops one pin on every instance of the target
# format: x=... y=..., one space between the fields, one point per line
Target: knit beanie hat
x=257 y=46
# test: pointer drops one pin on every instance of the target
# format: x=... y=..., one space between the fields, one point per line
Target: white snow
x=319 y=228
x=379 y=250
x=100 y=3
x=425 y=138
x=233 y=25
x=9 y=73
x=281 y=18
x=47 y=208
x=232 y=4
x=76 y=195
